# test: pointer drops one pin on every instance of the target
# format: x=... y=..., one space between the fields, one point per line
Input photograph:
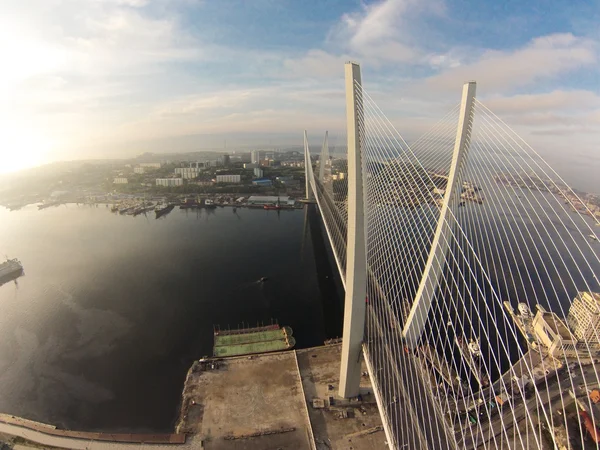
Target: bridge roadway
x=508 y=416
x=399 y=369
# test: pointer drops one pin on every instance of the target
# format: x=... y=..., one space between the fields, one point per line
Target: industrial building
x=229 y=178
x=264 y=182
x=151 y=165
x=169 y=182
x=584 y=316
x=271 y=200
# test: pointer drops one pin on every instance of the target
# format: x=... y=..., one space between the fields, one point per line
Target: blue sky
x=113 y=78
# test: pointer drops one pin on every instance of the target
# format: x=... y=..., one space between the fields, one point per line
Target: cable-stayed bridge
x=470 y=270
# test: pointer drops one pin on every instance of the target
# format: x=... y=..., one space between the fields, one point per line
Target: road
x=415 y=419
x=510 y=416
x=84 y=444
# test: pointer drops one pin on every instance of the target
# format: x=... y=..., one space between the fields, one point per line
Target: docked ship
x=208 y=203
x=248 y=341
x=188 y=203
x=162 y=210
x=143 y=209
x=10 y=270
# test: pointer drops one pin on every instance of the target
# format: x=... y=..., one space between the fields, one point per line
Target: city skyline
x=114 y=78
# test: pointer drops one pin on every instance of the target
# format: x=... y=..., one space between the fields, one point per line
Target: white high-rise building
x=229 y=178
x=151 y=165
x=584 y=316
x=120 y=180
x=255 y=157
x=169 y=181
x=187 y=172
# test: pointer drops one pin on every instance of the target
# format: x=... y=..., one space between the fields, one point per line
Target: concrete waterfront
x=284 y=400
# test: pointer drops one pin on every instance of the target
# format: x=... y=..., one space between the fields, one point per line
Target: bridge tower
x=307 y=164
x=356 y=255
x=415 y=323
x=324 y=156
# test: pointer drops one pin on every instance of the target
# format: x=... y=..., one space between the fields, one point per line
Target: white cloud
x=550 y=114
x=315 y=63
x=383 y=23
x=375 y=23
x=555 y=101
x=115 y=71
x=377 y=34
x=543 y=57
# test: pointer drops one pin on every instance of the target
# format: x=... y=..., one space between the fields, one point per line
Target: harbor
x=133 y=205
x=155 y=288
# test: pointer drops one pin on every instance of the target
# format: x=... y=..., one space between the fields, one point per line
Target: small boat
x=263 y=279
x=593 y=237
x=234 y=209
x=276 y=206
x=208 y=203
x=190 y=202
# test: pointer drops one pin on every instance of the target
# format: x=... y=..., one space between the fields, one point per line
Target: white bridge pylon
x=415 y=323
x=437 y=244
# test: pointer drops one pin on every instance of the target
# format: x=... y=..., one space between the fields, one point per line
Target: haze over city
x=114 y=78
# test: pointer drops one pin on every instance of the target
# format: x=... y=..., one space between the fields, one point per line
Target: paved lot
x=345 y=424
x=257 y=401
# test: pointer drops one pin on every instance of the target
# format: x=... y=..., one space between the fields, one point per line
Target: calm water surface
x=100 y=331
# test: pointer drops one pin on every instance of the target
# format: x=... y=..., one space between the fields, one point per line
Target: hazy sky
x=94 y=78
